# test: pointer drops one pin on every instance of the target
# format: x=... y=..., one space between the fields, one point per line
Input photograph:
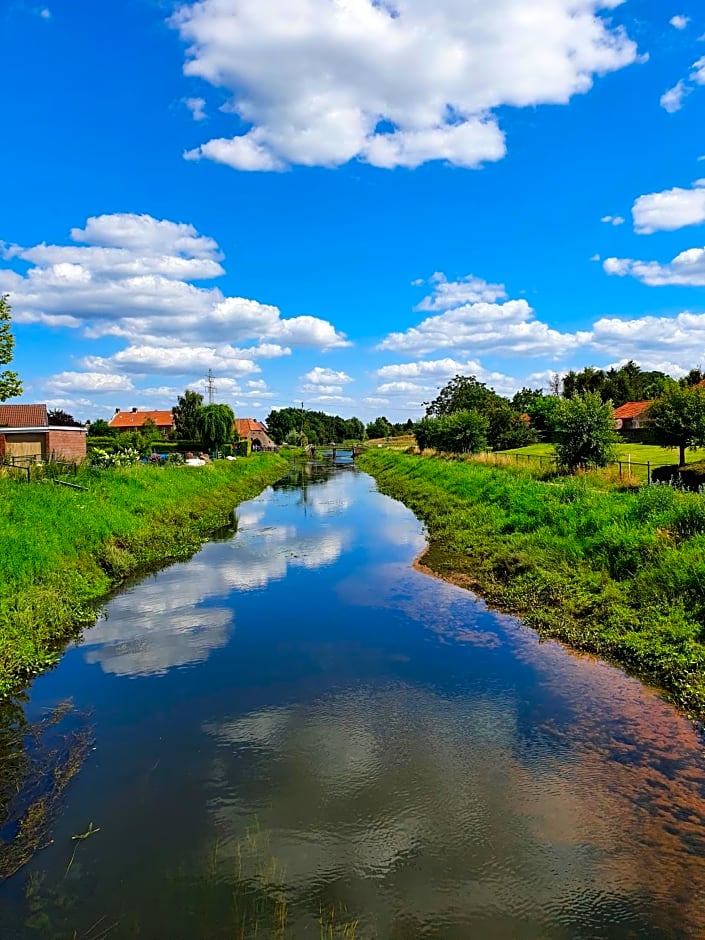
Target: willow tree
x=215 y=425
x=10 y=384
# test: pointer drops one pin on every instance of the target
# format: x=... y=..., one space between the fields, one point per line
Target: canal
x=298 y=734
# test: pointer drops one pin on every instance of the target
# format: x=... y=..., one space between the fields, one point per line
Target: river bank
x=61 y=550
x=618 y=574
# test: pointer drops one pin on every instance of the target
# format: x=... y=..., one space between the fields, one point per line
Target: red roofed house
x=26 y=435
x=135 y=420
x=254 y=431
x=631 y=420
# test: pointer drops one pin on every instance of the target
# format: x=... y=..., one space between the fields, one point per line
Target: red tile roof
x=632 y=409
x=245 y=426
x=136 y=419
x=24 y=416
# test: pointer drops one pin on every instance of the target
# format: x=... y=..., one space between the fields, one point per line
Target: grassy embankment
x=62 y=549
x=617 y=573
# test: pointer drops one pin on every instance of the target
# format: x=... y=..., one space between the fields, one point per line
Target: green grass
x=62 y=549
x=616 y=572
x=639 y=453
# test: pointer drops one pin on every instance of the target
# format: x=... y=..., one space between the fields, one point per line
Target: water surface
x=297 y=724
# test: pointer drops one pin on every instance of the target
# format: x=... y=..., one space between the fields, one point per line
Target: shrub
x=118 y=458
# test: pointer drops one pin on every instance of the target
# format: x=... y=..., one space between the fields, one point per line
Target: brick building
x=135 y=420
x=26 y=435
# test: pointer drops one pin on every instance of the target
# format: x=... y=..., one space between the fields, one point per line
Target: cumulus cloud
x=466 y=290
x=321 y=376
x=671 y=209
x=651 y=339
x=686 y=269
x=132 y=277
x=507 y=327
x=197 y=107
x=319 y=83
x=425 y=376
x=673 y=99
x=679 y=21
x=89 y=382
x=612 y=219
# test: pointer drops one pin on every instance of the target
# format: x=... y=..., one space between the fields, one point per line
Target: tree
x=506 y=428
x=462 y=393
x=10 y=384
x=380 y=427
x=185 y=413
x=678 y=418
x=463 y=432
x=62 y=419
x=214 y=424
x=101 y=428
x=585 y=435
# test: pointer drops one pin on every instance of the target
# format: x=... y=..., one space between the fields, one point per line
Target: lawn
x=637 y=453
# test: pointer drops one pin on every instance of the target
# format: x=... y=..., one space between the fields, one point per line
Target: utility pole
x=210 y=387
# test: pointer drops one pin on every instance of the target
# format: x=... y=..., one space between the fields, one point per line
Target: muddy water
x=296 y=734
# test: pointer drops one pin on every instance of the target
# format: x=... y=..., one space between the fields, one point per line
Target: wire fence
x=627 y=468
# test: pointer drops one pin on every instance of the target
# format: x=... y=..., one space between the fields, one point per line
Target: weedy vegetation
x=617 y=571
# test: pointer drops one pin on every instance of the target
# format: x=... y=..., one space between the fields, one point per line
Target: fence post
x=620 y=469
x=648 y=473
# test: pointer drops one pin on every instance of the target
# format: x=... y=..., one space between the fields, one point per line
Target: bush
x=464 y=432
x=585 y=435
x=119 y=458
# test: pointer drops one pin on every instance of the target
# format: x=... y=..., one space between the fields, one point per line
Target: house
x=254 y=431
x=26 y=436
x=631 y=420
x=135 y=420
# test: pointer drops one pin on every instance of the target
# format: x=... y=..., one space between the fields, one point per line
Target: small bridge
x=335 y=451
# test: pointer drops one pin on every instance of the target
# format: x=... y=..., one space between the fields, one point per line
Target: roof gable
x=137 y=419
x=24 y=416
x=632 y=409
x=245 y=426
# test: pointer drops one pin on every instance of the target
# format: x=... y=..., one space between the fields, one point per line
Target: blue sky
x=348 y=202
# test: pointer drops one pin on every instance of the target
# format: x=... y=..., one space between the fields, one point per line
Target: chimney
x=117 y=411
x=134 y=410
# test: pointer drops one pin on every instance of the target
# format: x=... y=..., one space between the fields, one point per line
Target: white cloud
x=507 y=327
x=612 y=219
x=595 y=257
x=428 y=375
x=673 y=99
x=467 y=290
x=45 y=13
x=651 y=339
x=88 y=382
x=320 y=376
x=686 y=269
x=671 y=209
x=129 y=276
x=679 y=21
x=197 y=107
x=394 y=84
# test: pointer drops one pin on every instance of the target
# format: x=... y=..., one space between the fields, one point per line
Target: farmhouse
x=135 y=420
x=631 y=420
x=254 y=431
x=26 y=435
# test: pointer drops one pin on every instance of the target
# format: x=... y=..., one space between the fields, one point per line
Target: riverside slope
x=614 y=573
x=63 y=550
